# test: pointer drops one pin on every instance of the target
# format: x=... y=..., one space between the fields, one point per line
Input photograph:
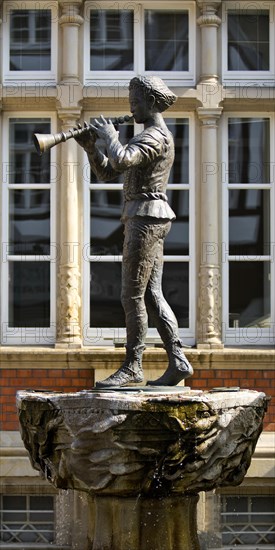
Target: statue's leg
x=139 y=251
x=165 y=321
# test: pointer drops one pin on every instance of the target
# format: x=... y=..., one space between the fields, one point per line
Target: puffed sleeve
x=101 y=166
x=141 y=150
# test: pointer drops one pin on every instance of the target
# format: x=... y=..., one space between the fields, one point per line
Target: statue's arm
x=99 y=163
x=101 y=166
x=143 y=151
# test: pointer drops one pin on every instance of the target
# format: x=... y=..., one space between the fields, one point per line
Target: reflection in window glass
x=249 y=222
x=111 y=40
x=26 y=166
x=176 y=290
x=180 y=130
x=177 y=240
x=29 y=294
x=248 y=41
x=105 y=305
x=249 y=294
x=105 y=287
x=29 y=222
x=166 y=40
x=106 y=227
x=30 y=40
x=249 y=150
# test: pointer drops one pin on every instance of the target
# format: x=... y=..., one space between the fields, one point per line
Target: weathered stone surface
x=141 y=442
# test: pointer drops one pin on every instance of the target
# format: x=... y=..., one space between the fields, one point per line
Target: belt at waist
x=148 y=196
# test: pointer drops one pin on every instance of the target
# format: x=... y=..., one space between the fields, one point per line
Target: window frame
x=252 y=493
x=117 y=335
x=172 y=78
x=27 y=335
x=246 y=336
x=30 y=77
x=257 y=78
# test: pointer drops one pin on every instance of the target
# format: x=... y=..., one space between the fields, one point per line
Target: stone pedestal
x=160 y=523
x=142 y=454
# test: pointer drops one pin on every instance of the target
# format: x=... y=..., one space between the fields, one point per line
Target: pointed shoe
x=173 y=375
x=122 y=377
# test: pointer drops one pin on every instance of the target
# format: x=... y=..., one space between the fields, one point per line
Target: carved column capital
x=209 y=117
x=209 y=16
x=70 y=13
x=68 y=117
x=208 y=5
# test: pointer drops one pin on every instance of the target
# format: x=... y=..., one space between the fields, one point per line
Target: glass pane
x=263 y=509
x=29 y=294
x=26 y=166
x=111 y=40
x=30 y=40
x=248 y=41
x=166 y=40
x=177 y=240
x=126 y=132
x=14 y=508
x=175 y=286
x=249 y=150
x=105 y=287
x=180 y=130
x=249 y=294
x=41 y=509
x=29 y=222
x=106 y=227
x=249 y=222
x=105 y=306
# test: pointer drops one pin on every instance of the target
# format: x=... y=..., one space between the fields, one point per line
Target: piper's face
x=139 y=107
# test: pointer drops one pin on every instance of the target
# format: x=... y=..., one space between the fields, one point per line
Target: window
x=135 y=39
x=248 y=521
x=30 y=40
x=249 y=233
x=104 y=316
x=28 y=228
x=27 y=519
x=249 y=43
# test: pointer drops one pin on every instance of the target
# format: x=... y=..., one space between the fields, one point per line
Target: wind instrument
x=44 y=142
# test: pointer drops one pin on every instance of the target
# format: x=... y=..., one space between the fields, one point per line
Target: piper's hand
x=104 y=128
x=86 y=139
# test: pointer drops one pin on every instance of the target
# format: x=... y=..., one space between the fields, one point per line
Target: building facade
x=62 y=325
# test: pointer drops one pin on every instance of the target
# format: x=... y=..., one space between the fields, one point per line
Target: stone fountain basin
x=141 y=441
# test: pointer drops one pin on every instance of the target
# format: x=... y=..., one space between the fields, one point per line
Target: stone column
x=70 y=22
x=210 y=95
x=209 y=23
x=68 y=302
x=209 y=298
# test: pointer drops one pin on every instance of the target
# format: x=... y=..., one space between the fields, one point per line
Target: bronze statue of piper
x=146 y=162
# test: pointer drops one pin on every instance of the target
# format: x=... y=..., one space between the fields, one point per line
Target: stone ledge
x=108 y=357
